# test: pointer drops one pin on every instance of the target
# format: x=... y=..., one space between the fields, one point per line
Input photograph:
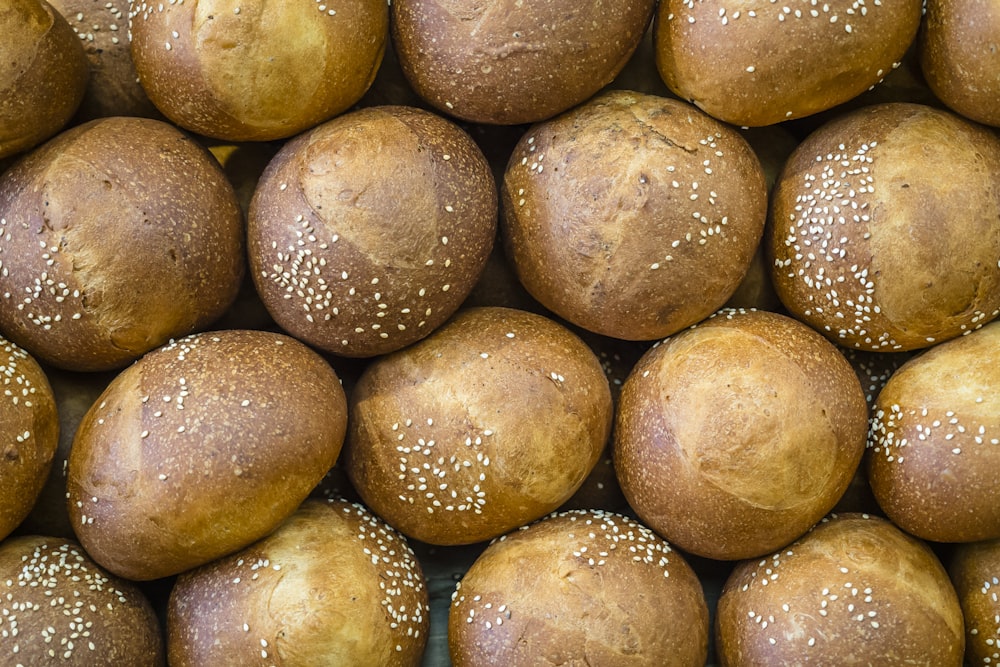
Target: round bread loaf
x=57 y=606
x=959 y=56
x=871 y=246
x=29 y=434
x=934 y=440
x=44 y=74
x=856 y=590
x=579 y=588
x=369 y=231
x=333 y=585
x=508 y=61
x=762 y=63
x=256 y=70
x=734 y=437
x=492 y=421
x=974 y=569
x=117 y=235
x=200 y=448
x=657 y=247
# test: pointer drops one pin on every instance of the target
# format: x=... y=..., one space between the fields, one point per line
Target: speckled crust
x=333 y=585
x=933 y=441
x=29 y=433
x=491 y=422
x=510 y=62
x=200 y=448
x=579 y=588
x=44 y=76
x=759 y=63
x=57 y=606
x=856 y=590
x=325 y=207
x=114 y=237
x=256 y=70
x=959 y=56
x=872 y=246
x=974 y=569
x=734 y=437
x=632 y=215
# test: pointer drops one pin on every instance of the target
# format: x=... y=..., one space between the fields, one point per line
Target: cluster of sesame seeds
x=989 y=590
x=804 y=9
x=949 y=429
x=88 y=25
x=17 y=387
x=247 y=571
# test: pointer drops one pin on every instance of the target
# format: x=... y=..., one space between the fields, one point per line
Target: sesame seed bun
x=734 y=437
x=580 y=587
x=332 y=585
x=492 y=421
x=855 y=590
x=200 y=448
x=974 y=569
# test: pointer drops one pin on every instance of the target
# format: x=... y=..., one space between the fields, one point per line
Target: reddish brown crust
x=975 y=572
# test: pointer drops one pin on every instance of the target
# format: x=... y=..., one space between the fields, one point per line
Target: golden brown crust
x=855 y=590
x=734 y=437
x=200 y=448
x=975 y=572
x=510 y=62
x=492 y=421
x=117 y=235
x=256 y=70
x=761 y=63
x=368 y=232
x=332 y=585
x=657 y=247
x=579 y=588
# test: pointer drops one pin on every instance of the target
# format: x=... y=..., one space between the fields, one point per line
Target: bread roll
x=492 y=421
x=734 y=437
x=579 y=588
x=975 y=571
x=855 y=590
x=200 y=448
x=333 y=585
x=872 y=246
x=632 y=216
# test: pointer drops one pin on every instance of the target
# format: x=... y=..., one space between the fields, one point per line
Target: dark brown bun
x=579 y=588
x=777 y=62
x=200 y=448
x=656 y=248
x=369 y=231
x=260 y=70
x=934 y=441
x=332 y=585
x=974 y=569
x=509 y=62
x=959 y=56
x=855 y=590
x=29 y=433
x=871 y=246
x=44 y=74
x=57 y=606
x=734 y=437
x=492 y=421
x=119 y=234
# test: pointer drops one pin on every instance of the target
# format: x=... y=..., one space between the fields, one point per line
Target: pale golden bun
x=333 y=585
x=256 y=70
x=657 y=247
x=59 y=607
x=119 y=234
x=872 y=246
x=492 y=421
x=44 y=74
x=368 y=232
x=29 y=434
x=762 y=64
x=856 y=590
x=579 y=588
x=934 y=441
x=974 y=569
x=734 y=437
x=510 y=62
x=200 y=448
